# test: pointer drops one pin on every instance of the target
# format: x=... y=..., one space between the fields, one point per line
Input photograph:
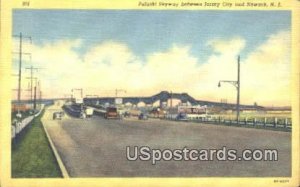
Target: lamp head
x=219 y=85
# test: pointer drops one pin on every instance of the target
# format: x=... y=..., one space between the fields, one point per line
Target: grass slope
x=32 y=156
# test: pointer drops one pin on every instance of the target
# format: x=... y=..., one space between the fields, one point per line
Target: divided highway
x=96 y=147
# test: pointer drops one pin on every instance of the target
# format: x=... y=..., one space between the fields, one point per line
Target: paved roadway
x=97 y=147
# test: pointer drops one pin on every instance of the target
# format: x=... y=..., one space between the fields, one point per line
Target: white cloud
x=227 y=47
x=110 y=65
x=267 y=70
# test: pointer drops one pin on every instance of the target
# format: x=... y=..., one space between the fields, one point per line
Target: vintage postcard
x=149 y=93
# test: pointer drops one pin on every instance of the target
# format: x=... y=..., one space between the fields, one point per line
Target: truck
x=88 y=111
x=111 y=113
x=77 y=100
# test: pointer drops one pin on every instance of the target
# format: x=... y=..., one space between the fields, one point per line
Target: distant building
x=20 y=107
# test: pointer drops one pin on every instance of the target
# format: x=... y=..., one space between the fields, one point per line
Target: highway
x=96 y=147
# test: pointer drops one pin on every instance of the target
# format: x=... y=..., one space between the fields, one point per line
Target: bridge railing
x=284 y=124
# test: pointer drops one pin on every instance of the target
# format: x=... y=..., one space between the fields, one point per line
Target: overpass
x=163 y=97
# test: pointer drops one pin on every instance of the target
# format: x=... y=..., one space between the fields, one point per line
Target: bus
x=193 y=112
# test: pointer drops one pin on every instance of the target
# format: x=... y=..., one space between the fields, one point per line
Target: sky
x=147 y=51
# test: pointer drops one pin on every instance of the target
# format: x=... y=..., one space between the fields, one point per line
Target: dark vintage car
x=181 y=117
x=126 y=114
x=143 y=116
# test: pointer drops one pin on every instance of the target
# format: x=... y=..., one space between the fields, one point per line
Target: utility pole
x=119 y=101
x=237 y=85
x=35 y=92
x=40 y=99
x=238 y=92
x=34 y=101
x=20 y=69
x=31 y=68
x=32 y=88
x=224 y=101
x=28 y=88
x=40 y=94
x=79 y=89
x=171 y=101
x=20 y=66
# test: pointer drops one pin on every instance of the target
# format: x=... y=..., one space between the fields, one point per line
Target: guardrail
x=284 y=124
x=17 y=128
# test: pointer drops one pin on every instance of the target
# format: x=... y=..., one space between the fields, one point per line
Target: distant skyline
x=147 y=51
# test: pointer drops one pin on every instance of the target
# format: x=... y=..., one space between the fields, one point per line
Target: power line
x=31 y=68
x=20 y=66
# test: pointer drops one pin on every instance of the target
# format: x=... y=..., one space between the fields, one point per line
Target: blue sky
x=153 y=30
x=146 y=51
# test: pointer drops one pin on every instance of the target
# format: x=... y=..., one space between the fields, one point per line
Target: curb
x=57 y=157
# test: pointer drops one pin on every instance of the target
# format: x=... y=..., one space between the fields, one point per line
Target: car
x=112 y=113
x=82 y=115
x=181 y=117
x=143 y=116
x=126 y=114
x=57 y=115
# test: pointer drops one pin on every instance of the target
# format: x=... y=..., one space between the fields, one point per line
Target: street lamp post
x=118 y=91
x=117 y=101
x=77 y=89
x=237 y=85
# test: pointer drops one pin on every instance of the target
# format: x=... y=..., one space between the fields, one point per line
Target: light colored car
x=57 y=115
